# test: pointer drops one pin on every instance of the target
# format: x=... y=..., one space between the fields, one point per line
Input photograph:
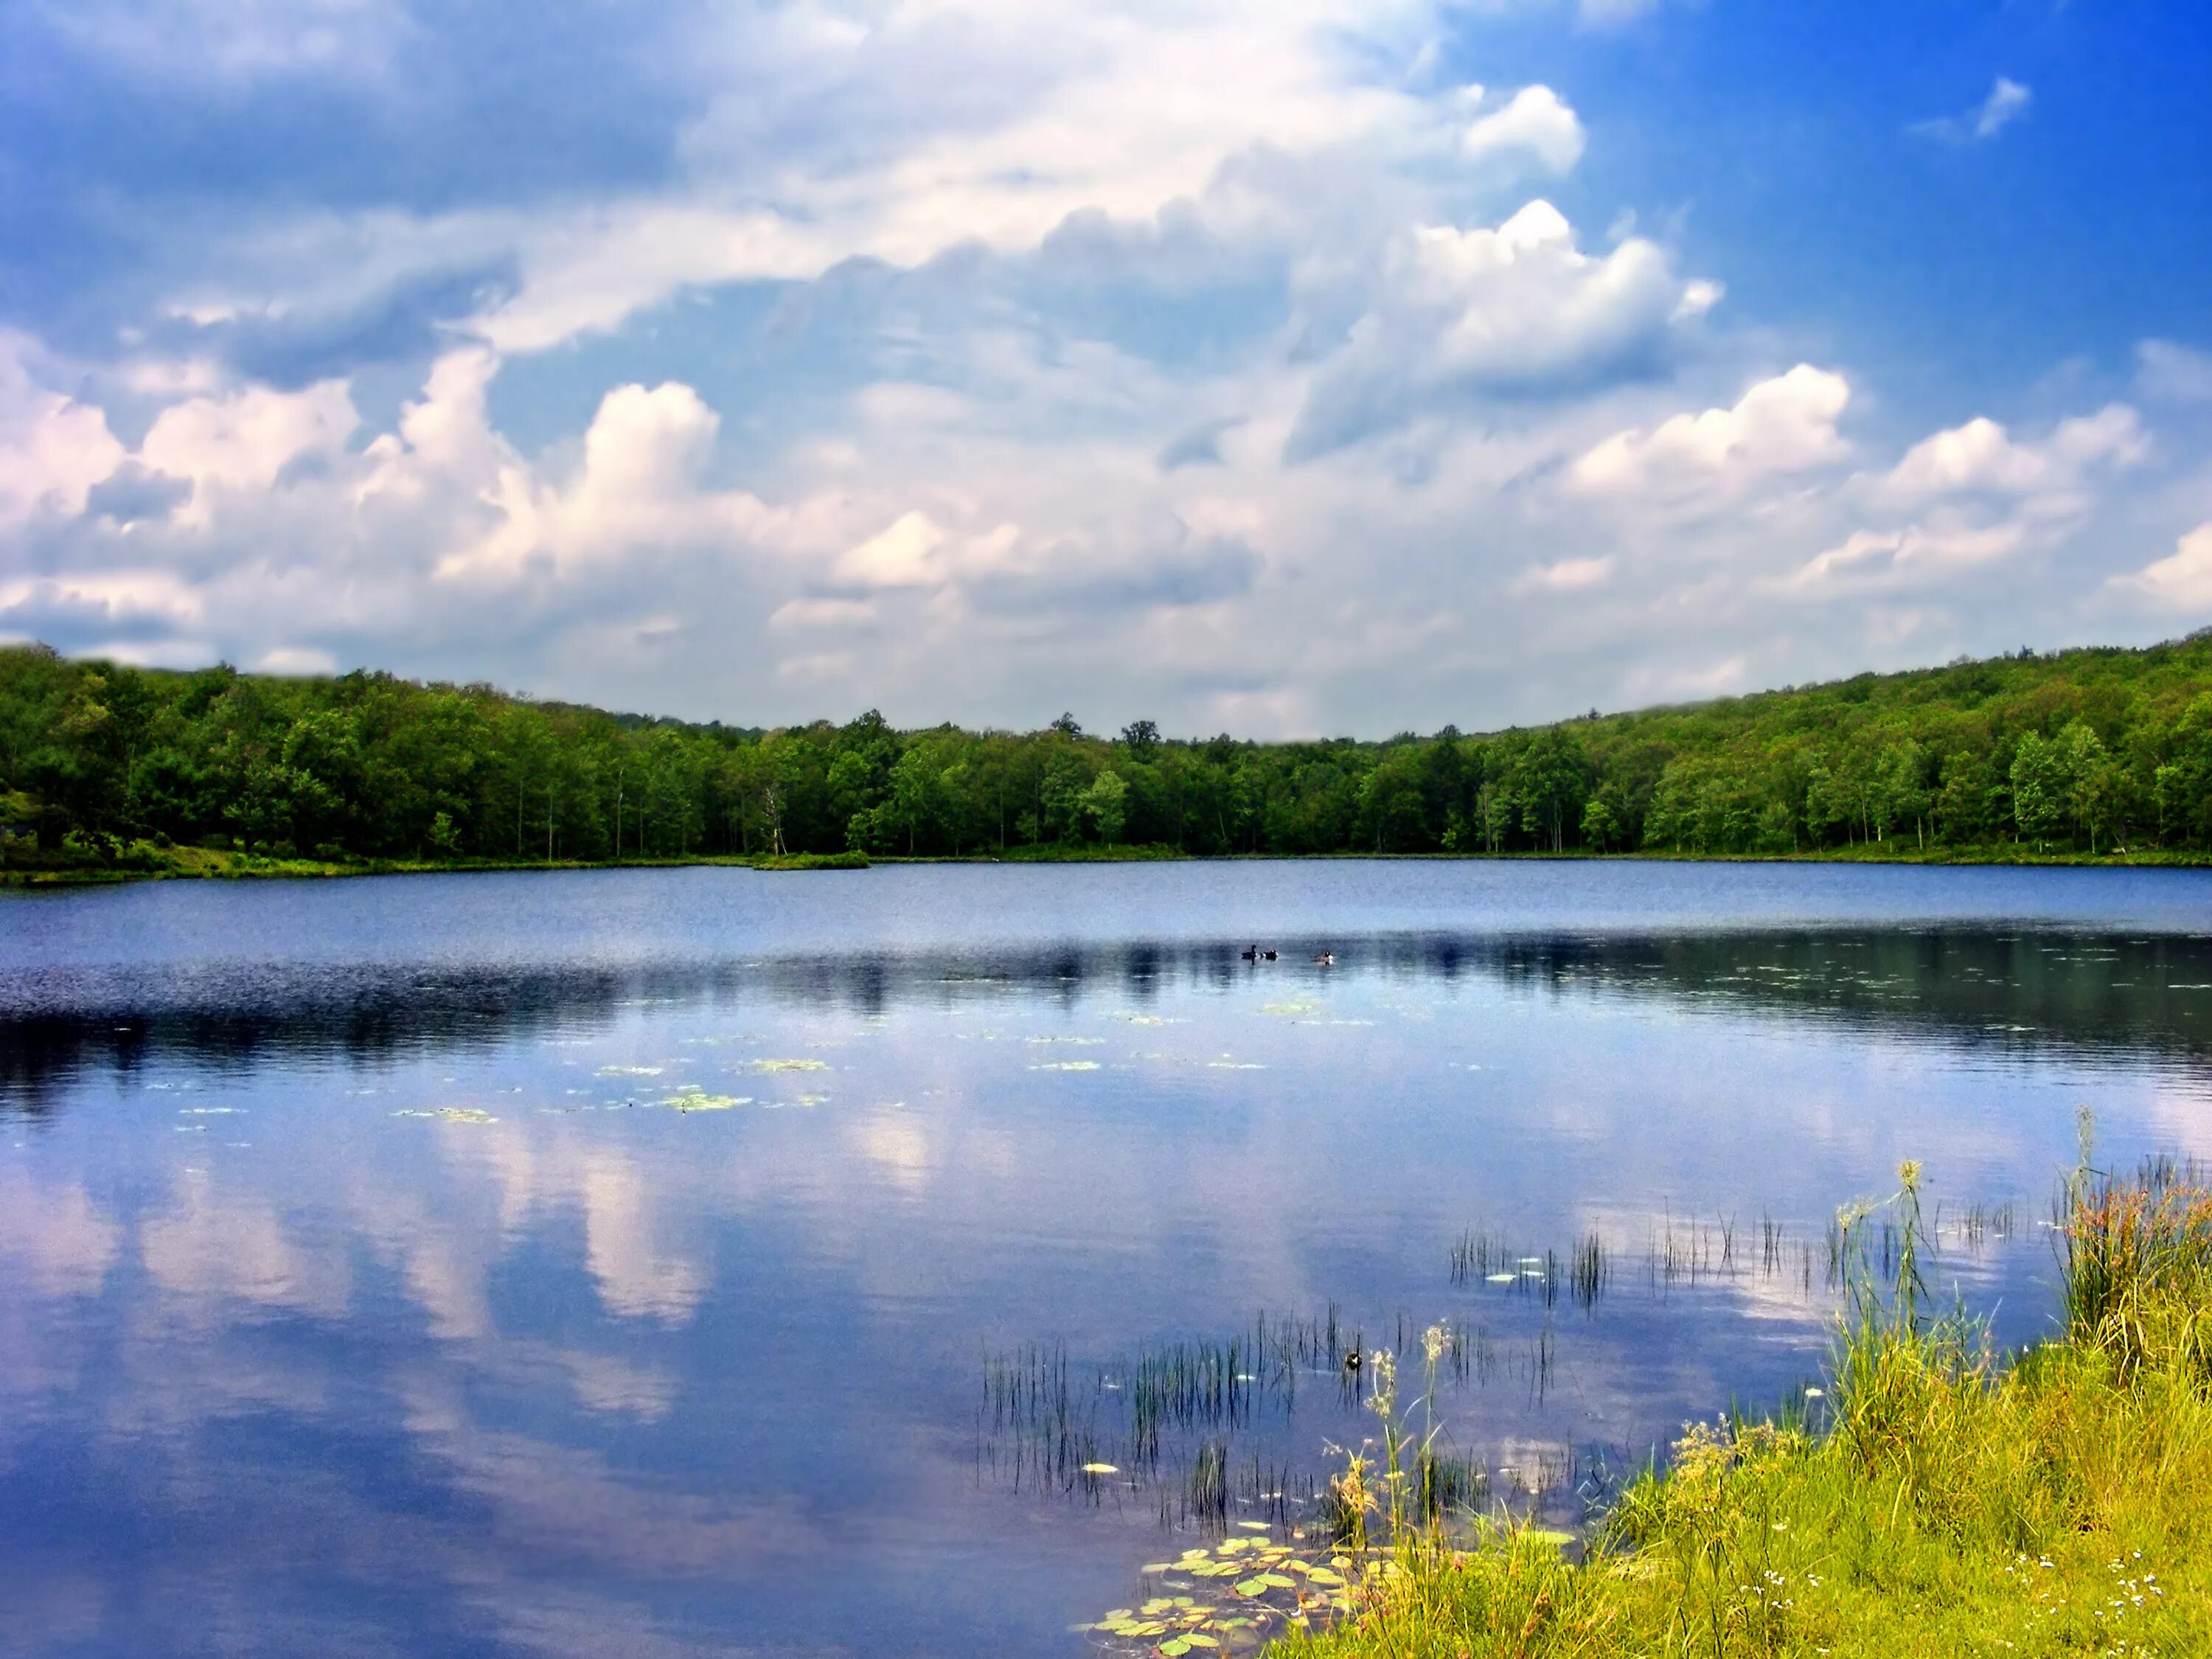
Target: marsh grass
x=1935 y=1498
x=1195 y=1428
x=1684 y=1253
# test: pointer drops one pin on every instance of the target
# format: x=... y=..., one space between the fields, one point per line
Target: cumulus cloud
x=1982 y=458
x=1108 y=567
x=1921 y=549
x=2008 y=101
x=1534 y=124
x=845 y=133
x=1977 y=496
x=2181 y=582
x=244 y=440
x=1780 y=426
x=905 y=553
x=1515 y=309
x=53 y=450
x=639 y=488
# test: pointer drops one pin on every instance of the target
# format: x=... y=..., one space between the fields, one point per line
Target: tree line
x=2091 y=751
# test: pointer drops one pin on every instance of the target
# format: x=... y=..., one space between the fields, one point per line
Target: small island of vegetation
x=109 y=771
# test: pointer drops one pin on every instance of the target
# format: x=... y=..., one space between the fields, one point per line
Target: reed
x=1590 y=1269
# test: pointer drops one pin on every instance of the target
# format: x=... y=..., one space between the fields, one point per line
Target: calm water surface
x=611 y=1263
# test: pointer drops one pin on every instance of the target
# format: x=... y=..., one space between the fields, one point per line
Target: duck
x=1268 y=957
x=1325 y=958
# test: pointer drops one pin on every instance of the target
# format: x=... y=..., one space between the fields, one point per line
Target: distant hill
x=2084 y=753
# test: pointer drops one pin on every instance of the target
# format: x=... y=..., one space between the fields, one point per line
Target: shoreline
x=145 y=863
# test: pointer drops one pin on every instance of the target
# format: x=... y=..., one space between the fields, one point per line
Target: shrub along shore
x=106 y=769
x=1937 y=1499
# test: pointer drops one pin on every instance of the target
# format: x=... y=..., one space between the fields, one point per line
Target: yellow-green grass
x=1947 y=1501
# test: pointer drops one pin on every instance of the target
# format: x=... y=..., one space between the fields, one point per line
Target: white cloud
x=296 y=660
x=850 y=131
x=1973 y=496
x=1514 y=308
x=52 y=449
x=638 y=489
x=1534 y=123
x=1564 y=575
x=1926 y=551
x=902 y=555
x=2008 y=101
x=243 y=440
x=1982 y=457
x=2181 y=581
x=1780 y=426
x=591 y=271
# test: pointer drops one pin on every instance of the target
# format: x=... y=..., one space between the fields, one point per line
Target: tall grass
x=1938 y=1499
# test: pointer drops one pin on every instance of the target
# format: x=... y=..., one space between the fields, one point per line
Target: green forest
x=2091 y=752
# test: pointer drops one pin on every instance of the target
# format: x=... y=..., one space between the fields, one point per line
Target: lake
x=662 y=1262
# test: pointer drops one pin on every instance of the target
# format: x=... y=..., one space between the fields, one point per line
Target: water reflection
x=651 y=1303
x=2000 y=986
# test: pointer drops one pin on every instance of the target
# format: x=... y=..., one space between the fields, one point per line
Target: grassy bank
x=1939 y=1500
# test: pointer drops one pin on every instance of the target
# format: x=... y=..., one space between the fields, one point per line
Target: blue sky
x=1290 y=368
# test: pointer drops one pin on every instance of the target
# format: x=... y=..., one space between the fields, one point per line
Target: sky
x=1287 y=368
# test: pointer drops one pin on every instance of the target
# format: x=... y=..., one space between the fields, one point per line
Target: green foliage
x=2085 y=752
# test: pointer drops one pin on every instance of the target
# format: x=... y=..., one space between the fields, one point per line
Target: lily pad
x=698 y=1100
